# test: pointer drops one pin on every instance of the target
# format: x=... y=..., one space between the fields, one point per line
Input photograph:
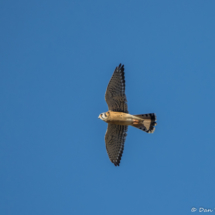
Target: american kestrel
x=118 y=117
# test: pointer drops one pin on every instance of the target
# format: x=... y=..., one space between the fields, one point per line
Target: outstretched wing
x=114 y=141
x=115 y=93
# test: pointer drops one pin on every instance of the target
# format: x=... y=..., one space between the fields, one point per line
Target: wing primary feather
x=115 y=93
x=114 y=140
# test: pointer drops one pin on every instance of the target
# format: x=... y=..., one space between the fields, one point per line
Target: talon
x=135 y=121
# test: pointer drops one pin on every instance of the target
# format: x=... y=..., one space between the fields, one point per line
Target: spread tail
x=146 y=122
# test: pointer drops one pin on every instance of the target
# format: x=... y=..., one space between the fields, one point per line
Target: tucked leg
x=136 y=121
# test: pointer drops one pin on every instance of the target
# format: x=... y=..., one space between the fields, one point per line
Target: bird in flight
x=119 y=119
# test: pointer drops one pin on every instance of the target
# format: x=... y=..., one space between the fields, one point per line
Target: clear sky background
x=57 y=58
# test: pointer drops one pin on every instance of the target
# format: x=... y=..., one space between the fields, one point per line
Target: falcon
x=119 y=119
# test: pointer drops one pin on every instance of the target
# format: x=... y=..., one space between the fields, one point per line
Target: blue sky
x=57 y=58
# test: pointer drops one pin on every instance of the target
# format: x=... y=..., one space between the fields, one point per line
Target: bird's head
x=104 y=116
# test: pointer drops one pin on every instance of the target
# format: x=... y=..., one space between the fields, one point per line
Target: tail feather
x=147 y=123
